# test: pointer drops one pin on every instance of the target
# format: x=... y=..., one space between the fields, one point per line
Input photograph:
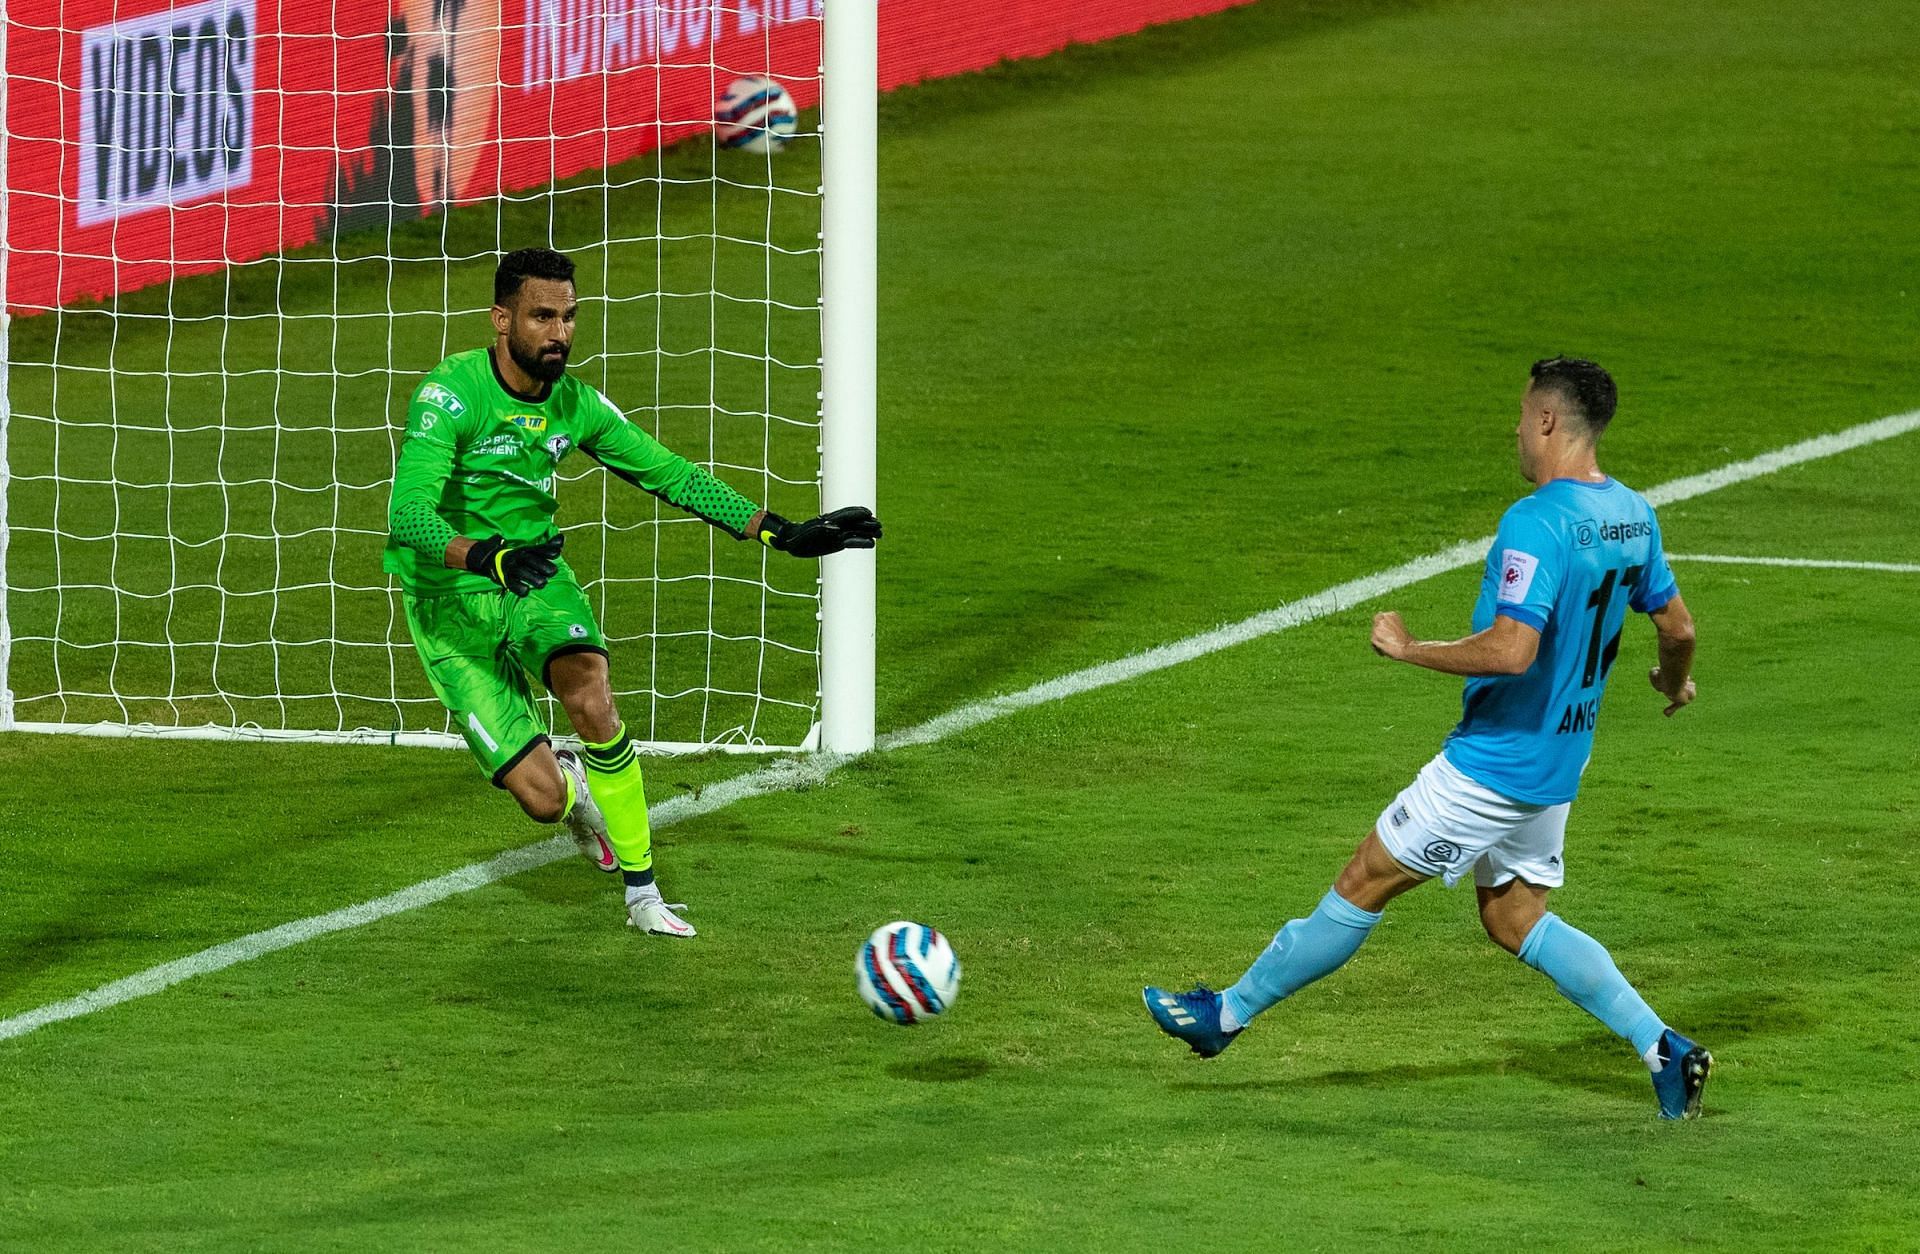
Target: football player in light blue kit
x=1568 y=563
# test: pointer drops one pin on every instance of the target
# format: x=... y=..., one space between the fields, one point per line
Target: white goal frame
x=849 y=269
x=848 y=434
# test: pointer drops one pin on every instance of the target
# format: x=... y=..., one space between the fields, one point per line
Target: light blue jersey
x=1569 y=561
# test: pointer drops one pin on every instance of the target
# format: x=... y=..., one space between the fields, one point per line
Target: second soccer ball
x=907 y=972
x=756 y=115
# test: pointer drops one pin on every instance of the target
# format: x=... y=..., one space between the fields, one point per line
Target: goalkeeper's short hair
x=529 y=263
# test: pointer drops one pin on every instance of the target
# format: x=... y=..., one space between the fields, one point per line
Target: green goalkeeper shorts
x=481 y=649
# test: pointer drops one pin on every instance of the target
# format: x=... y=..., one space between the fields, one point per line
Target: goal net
x=240 y=231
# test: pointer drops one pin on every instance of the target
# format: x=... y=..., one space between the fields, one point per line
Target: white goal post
x=849 y=389
x=235 y=239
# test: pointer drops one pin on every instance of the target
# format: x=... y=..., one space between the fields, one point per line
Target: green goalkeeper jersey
x=479 y=460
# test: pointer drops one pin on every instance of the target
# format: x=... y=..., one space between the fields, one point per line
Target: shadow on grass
x=857 y=853
x=963 y=656
x=1595 y=1062
x=50 y=947
x=111 y=920
x=943 y=1070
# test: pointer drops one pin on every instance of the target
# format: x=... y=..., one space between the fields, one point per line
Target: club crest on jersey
x=536 y=423
x=557 y=447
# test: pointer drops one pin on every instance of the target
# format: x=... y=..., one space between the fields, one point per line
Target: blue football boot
x=1682 y=1076
x=1191 y=1017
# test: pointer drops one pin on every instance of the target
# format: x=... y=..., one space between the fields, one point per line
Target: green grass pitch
x=1174 y=330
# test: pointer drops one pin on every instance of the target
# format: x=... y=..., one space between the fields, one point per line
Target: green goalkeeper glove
x=849 y=527
x=519 y=568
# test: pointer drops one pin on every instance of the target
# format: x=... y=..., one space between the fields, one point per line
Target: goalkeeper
x=489 y=599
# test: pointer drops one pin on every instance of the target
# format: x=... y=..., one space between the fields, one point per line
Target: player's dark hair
x=1581 y=385
x=529 y=263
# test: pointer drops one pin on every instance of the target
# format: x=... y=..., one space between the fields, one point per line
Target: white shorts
x=1443 y=823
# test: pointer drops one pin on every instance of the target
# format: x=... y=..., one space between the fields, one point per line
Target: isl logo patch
x=1516 y=575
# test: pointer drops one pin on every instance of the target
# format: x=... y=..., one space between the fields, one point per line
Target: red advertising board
x=148 y=138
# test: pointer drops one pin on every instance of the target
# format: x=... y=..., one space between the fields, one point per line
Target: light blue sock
x=1583 y=971
x=1302 y=952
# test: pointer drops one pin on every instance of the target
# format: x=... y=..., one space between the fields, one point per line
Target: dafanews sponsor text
x=1621 y=532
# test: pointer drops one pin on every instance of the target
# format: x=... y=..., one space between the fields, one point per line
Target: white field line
x=790 y=774
x=1799 y=563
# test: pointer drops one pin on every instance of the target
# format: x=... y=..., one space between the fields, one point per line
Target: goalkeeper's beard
x=544 y=369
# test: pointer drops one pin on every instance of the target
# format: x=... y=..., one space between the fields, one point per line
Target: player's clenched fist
x=519 y=568
x=850 y=527
x=1390 y=635
x=1676 y=698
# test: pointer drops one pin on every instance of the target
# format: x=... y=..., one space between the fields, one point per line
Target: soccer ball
x=755 y=115
x=907 y=972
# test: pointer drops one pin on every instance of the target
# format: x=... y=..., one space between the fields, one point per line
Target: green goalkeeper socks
x=613 y=770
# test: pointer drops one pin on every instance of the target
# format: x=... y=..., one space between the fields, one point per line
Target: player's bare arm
x=1673 y=678
x=1508 y=647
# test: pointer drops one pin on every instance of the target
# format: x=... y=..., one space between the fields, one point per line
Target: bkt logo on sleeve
x=166 y=108
x=435 y=394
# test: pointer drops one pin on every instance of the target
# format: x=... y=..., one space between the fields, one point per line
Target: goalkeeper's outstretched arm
x=643 y=461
